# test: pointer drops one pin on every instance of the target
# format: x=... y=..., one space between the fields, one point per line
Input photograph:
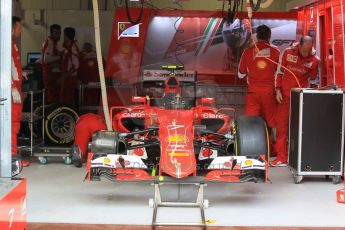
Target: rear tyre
x=251 y=137
x=35 y=127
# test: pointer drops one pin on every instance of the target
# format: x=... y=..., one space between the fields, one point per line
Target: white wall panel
x=34 y=35
x=66 y=4
x=37 y=4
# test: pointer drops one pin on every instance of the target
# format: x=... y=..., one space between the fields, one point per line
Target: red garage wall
x=326 y=17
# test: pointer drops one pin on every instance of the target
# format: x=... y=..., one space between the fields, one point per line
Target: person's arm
x=314 y=71
x=243 y=67
x=280 y=70
x=75 y=59
x=16 y=98
x=279 y=76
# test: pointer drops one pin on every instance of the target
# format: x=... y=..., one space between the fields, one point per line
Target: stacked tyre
x=59 y=125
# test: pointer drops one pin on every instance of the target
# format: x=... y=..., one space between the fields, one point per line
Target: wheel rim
x=63 y=125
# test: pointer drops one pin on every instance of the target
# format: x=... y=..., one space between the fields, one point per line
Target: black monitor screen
x=33 y=57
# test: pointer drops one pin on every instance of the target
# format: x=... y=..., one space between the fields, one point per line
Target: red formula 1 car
x=179 y=138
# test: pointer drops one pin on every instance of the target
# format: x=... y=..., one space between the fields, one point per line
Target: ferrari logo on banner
x=127 y=30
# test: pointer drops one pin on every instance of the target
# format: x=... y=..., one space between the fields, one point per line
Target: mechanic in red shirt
x=17 y=77
x=302 y=61
x=89 y=75
x=50 y=59
x=70 y=67
x=260 y=73
x=88 y=70
x=86 y=125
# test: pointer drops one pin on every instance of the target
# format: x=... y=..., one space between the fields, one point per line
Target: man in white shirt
x=51 y=62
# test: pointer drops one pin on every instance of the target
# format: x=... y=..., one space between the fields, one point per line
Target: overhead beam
x=296 y=4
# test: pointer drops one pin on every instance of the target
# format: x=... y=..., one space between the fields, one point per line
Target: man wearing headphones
x=298 y=65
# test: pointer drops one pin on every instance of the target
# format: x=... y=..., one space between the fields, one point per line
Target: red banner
x=127 y=45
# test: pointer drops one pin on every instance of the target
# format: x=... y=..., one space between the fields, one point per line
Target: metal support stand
x=199 y=203
x=44 y=152
x=29 y=144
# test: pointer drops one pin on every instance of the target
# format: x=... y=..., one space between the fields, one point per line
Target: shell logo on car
x=248 y=163
x=177 y=138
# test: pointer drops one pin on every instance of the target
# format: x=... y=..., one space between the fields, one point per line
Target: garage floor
x=57 y=194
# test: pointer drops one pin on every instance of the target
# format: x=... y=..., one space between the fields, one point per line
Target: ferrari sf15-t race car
x=179 y=138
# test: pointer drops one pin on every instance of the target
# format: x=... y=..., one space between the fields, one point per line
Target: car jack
x=199 y=203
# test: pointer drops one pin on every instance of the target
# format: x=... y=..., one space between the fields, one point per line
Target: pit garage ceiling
x=270 y=5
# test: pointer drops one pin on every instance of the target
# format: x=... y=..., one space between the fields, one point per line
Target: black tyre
x=37 y=126
x=251 y=136
x=59 y=125
x=26 y=127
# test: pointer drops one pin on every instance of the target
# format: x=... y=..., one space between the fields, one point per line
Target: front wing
x=133 y=168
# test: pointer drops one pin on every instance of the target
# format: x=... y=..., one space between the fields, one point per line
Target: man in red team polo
x=51 y=62
x=89 y=74
x=86 y=125
x=298 y=64
x=17 y=77
x=260 y=73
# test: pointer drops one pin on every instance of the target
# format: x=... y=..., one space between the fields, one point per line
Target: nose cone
x=176 y=136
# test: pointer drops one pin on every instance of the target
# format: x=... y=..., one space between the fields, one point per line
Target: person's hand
x=25 y=74
x=279 y=96
x=16 y=96
x=314 y=86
